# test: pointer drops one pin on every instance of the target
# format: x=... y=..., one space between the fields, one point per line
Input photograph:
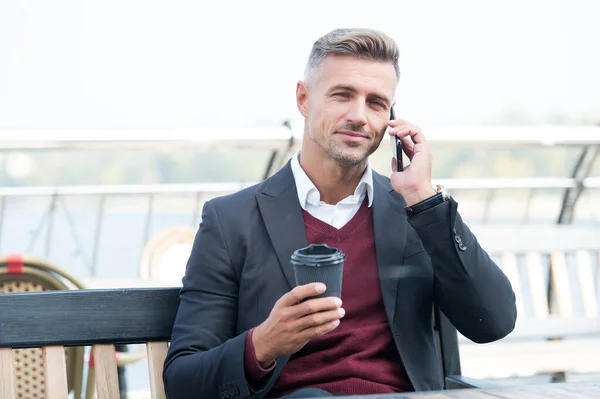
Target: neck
x=333 y=181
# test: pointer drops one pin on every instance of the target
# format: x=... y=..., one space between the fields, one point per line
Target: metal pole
x=51 y=213
x=196 y=215
x=2 y=208
x=530 y=196
x=97 y=235
x=121 y=373
x=148 y=220
x=581 y=171
x=487 y=205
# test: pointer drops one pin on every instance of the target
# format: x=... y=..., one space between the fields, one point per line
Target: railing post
x=97 y=235
x=51 y=213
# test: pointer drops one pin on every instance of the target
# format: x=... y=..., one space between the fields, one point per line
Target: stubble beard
x=342 y=157
x=346 y=158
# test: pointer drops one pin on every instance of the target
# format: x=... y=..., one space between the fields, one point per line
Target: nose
x=357 y=113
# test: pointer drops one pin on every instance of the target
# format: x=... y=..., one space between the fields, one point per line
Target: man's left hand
x=414 y=183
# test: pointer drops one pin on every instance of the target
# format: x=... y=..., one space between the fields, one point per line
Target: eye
x=343 y=95
x=378 y=104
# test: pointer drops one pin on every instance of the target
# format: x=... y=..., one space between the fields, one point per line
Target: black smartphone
x=397 y=161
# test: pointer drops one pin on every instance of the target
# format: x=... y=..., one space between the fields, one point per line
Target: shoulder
x=235 y=202
x=244 y=202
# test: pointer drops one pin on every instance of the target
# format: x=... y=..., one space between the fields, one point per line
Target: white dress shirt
x=335 y=215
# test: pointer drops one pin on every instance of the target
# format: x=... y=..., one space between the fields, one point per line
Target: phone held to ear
x=397 y=159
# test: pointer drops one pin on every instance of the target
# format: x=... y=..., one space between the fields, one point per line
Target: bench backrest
x=101 y=318
x=557 y=293
x=555 y=274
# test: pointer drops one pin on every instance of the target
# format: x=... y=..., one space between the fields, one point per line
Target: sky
x=81 y=64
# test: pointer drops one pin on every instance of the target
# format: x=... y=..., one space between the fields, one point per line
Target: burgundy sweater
x=358 y=357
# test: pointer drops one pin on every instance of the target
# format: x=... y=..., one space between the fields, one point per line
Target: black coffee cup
x=320 y=263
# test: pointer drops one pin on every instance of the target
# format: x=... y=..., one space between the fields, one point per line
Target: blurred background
x=118 y=119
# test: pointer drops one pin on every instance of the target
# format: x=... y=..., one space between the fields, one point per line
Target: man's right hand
x=293 y=323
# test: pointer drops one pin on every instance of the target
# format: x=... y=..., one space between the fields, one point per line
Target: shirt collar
x=307 y=191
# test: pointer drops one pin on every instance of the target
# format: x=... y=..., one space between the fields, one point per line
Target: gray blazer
x=239 y=267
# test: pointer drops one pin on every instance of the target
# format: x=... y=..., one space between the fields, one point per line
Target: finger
x=399 y=132
x=408 y=146
x=317 y=331
x=403 y=130
x=414 y=132
x=317 y=319
x=397 y=122
x=301 y=292
x=416 y=135
x=314 y=306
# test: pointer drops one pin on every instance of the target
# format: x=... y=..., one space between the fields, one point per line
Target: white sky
x=192 y=63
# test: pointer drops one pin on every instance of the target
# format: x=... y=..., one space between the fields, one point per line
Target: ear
x=302 y=98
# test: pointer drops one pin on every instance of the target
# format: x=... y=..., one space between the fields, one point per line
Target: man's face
x=347 y=106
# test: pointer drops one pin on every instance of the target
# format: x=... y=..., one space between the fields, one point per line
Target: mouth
x=352 y=136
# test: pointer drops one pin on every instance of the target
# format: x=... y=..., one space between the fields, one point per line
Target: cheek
x=379 y=127
x=318 y=121
x=334 y=116
x=379 y=138
x=383 y=130
x=325 y=118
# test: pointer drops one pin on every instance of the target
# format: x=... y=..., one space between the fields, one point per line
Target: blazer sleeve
x=206 y=358
x=469 y=288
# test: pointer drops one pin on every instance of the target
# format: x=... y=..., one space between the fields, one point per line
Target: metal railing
x=199 y=193
x=229 y=187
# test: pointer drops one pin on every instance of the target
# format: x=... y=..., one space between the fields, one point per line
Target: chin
x=348 y=153
x=348 y=158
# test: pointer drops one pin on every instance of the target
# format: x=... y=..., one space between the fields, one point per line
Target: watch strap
x=427 y=203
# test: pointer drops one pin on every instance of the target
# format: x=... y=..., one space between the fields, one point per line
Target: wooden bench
x=102 y=318
x=99 y=318
x=555 y=274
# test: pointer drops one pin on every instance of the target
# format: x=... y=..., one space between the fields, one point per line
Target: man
x=243 y=330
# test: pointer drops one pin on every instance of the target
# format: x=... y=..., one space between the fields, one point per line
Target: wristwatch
x=428 y=203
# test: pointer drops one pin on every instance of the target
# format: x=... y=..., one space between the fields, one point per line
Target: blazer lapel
x=282 y=214
x=390 y=229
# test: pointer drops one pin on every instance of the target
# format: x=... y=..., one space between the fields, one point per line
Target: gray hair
x=368 y=44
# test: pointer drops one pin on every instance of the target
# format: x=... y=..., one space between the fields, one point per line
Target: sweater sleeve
x=255 y=373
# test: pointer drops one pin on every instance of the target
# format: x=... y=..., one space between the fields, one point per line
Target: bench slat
x=7 y=375
x=586 y=284
x=105 y=366
x=157 y=352
x=511 y=270
x=510 y=359
x=552 y=327
x=55 y=372
x=85 y=317
x=537 y=284
x=560 y=280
